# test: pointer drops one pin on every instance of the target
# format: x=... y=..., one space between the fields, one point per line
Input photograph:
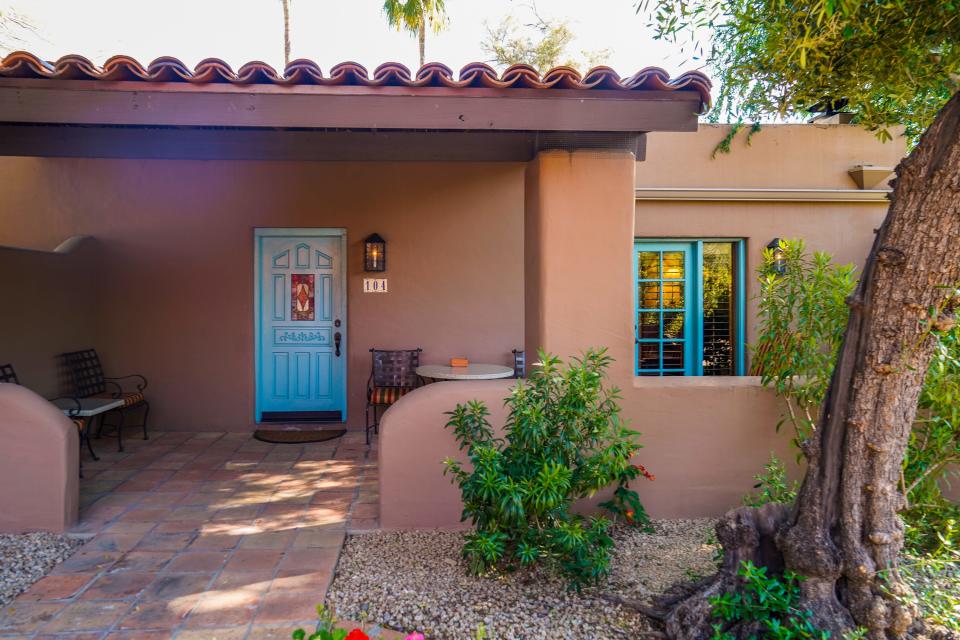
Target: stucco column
x=578 y=255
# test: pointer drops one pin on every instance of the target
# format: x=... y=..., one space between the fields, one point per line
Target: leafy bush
x=773 y=485
x=767 y=604
x=803 y=316
x=564 y=440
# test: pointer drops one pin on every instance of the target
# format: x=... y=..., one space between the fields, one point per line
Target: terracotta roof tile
x=21 y=64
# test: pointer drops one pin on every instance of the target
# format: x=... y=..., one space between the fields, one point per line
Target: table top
x=478 y=371
x=88 y=406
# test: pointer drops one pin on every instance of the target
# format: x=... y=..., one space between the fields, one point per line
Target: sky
x=325 y=31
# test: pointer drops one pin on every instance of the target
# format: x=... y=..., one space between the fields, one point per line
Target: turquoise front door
x=301 y=325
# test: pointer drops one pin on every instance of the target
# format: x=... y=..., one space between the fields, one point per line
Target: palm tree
x=415 y=16
x=286 y=31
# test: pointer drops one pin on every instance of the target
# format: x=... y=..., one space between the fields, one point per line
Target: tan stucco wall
x=175 y=240
x=780 y=156
x=48 y=304
x=39 y=464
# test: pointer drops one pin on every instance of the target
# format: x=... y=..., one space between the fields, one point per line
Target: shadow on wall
x=49 y=304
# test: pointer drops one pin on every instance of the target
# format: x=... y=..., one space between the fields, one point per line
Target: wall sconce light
x=779 y=256
x=374 y=253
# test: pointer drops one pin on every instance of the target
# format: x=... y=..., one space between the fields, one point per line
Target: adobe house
x=518 y=212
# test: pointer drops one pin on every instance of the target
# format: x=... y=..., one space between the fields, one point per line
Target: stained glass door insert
x=302 y=297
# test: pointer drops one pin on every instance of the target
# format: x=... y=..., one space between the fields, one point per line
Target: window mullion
x=696 y=311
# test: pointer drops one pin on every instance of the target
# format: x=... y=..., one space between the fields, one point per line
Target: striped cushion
x=388 y=395
x=129 y=399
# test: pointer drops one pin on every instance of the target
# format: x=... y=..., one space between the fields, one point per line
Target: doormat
x=281 y=436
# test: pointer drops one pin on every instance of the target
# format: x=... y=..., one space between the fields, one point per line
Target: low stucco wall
x=47 y=306
x=702 y=439
x=39 y=463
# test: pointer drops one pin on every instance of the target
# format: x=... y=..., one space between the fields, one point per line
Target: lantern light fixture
x=374 y=253
x=779 y=256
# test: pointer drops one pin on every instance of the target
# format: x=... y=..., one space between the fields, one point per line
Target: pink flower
x=415 y=636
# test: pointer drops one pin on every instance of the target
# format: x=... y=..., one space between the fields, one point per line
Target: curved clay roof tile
x=119 y=68
x=22 y=64
x=348 y=73
x=76 y=67
x=302 y=71
x=168 y=69
x=563 y=78
x=257 y=72
x=391 y=74
x=211 y=70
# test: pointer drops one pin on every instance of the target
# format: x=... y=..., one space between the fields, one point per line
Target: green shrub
x=803 y=317
x=768 y=604
x=772 y=485
x=564 y=440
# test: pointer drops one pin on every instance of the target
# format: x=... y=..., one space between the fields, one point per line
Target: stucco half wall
x=704 y=453
x=39 y=464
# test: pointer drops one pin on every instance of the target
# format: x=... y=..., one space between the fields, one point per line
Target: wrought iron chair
x=86 y=373
x=519 y=363
x=9 y=376
x=394 y=374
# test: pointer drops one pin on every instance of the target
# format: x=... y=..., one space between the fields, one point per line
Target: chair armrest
x=140 y=385
x=73 y=411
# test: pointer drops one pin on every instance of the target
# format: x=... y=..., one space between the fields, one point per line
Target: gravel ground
x=417 y=581
x=26 y=558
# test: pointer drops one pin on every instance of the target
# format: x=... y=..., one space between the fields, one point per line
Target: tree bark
x=286 y=31
x=422 y=40
x=843 y=534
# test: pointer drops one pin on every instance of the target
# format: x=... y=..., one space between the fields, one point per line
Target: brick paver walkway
x=203 y=535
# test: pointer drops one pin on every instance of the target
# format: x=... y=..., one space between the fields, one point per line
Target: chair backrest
x=7 y=374
x=396 y=368
x=519 y=363
x=85 y=372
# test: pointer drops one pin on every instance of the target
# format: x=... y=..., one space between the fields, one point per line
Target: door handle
x=336 y=343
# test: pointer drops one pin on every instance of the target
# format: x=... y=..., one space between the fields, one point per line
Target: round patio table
x=477 y=371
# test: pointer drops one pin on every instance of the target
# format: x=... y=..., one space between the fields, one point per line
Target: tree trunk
x=844 y=529
x=422 y=39
x=286 y=31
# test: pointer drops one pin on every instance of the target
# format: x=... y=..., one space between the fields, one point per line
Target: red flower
x=629 y=515
x=357 y=634
x=643 y=471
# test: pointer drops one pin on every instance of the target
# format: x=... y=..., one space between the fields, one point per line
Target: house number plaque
x=374 y=285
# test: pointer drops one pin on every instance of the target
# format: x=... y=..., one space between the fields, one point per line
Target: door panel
x=300 y=314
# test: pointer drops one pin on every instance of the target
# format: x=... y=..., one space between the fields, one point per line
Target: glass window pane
x=673 y=267
x=673 y=324
x=649 y=355
x=649 y=266
x=649 y=295
x=649 y=324
x=673 y=295
x=719 y=324
x=673 y=355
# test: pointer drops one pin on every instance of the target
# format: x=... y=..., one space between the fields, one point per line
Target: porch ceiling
x=74 y=108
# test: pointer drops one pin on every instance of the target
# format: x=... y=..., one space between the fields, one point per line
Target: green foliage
x=888 y=61
x=416 y=15
x=768 y=604
x=803 y=315
x=543 y=44
x=565 y=440
x=326 y=628
x=802 y=318
x=936 y=586
x=772 y=485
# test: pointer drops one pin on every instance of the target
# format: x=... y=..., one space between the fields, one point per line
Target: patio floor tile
x=56 y=587
x=117 y=586
x=84 y=615
x=203 y=535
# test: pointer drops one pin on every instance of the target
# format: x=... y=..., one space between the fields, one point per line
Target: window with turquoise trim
x=690 y=307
